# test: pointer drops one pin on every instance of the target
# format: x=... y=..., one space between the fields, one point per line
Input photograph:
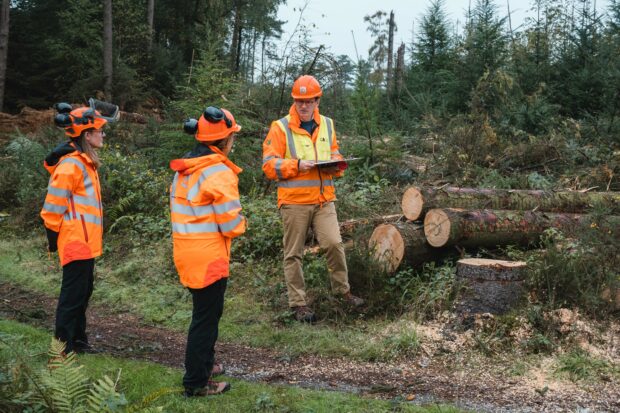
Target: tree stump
x=491 y=286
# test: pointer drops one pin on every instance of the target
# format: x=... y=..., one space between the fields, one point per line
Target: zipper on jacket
x=84 y=227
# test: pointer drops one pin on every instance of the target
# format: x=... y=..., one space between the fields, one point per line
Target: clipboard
x=334 y=162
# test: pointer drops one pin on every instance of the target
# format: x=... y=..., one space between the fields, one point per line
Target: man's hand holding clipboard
x=335 y=164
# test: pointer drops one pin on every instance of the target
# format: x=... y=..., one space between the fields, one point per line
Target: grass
x=143 y=283
x=578 y=365
x=140 y=380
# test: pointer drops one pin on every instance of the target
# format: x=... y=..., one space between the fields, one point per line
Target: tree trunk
x=416 y=200
x=400 y=68
x=107 y=50
x=235 y=46
x=390 y=56
x=491 y=286
x=150 y=18
x=347 y=228
x=491 y=228
x=393 y=244
x=5 y=8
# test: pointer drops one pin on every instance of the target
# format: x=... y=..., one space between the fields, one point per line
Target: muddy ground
x=428 y=378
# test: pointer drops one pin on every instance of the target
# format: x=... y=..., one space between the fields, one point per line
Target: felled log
x=417 y=201
x=491 y=228
x=490 y=286
x=349 y=227
x=393 y=244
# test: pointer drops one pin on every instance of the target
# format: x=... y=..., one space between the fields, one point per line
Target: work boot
x=81 y=347
x=212 y=388
x=304 y=314
x=352 y=300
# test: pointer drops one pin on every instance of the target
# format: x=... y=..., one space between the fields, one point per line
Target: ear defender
x=62 y=118
x=214 y=115
x=190 y=126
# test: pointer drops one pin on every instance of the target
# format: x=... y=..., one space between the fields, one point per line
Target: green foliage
x=263 y=237
x=579 y=365
x=574 y=273
x=24 y=180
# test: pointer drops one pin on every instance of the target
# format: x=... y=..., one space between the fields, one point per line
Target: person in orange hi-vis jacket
x=206 y=216
x=72 y=215
x=306 y=191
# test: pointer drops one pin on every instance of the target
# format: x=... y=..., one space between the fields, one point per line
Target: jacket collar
x=207 y=156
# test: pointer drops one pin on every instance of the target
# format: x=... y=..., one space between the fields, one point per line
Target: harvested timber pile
x=470 y=217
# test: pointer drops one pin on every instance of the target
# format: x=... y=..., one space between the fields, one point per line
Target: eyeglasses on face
x=304 y=102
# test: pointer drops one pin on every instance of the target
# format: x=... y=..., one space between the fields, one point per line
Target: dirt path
x=429 y=380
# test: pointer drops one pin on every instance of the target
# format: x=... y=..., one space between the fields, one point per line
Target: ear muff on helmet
x=190 y=126
x=62 y=118
x=215 y=115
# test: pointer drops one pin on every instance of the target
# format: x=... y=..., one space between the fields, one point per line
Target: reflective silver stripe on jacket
x=196 y=211
x=90 y=218
x=88 y=183
x=268 y=158
x=329 y=129
x=207 y=227
x=230 y=225
x=304 y=184
x=203 y=176
x=279 y=168
x=83 y=200
x=61 y=192
x=173 y=189
x=227 y=206
x=57 y=209
x=289 y=138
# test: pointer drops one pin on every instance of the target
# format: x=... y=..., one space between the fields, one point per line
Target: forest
x=482 y=118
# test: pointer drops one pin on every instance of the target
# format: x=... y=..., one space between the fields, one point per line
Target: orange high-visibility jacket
x=286 y=144
x=73 y=206
x=206 y=214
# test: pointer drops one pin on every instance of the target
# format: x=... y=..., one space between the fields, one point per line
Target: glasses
x=305 y=102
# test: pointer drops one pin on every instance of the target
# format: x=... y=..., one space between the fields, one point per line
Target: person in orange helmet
x=306 y=191
x=72 y=215
x=206 y=216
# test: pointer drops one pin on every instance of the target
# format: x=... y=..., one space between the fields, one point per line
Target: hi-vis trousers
x=324 y=222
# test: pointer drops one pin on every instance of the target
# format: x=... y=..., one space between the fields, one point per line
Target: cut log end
x=437 y=227
x=485 y=262
x=412 y=203
x=388 y=246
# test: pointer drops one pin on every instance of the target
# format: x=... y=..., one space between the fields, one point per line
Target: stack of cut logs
x=469 y=217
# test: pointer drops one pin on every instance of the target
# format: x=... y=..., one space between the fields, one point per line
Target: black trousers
x=200 y=351
x=76 y=289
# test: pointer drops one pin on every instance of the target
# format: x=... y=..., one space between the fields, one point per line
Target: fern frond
x=103 y=396
x=151 y=397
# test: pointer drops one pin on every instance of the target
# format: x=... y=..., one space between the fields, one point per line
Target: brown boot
x=304 y=314
x=352 y=300
x=212 y=388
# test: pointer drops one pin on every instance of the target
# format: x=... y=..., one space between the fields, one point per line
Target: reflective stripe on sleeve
x=88 y=183
x=90 y=218
x=268 y=158
x=227 y=206
x=57 y=209
x=61 y=192
x=230 y=225
x=279 y=169
x=83 y=200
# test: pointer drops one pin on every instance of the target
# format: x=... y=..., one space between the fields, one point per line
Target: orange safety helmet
x=214 y=124
x=77 y=120
x=306 y=87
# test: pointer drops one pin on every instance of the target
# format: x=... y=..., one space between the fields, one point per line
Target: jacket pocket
x=84 y=227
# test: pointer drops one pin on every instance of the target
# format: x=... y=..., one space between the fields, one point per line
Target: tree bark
x=390 y=53
x=393 y=244
x=150 y=18
x=400 y=68
x=491 y=286
x=417 y=201
x=107 y=50
x=235 y=46
x=5 y=8
x=347 y=228
x=492 y=228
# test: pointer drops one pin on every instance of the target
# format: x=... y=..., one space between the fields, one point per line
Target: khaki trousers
x=324 y=222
